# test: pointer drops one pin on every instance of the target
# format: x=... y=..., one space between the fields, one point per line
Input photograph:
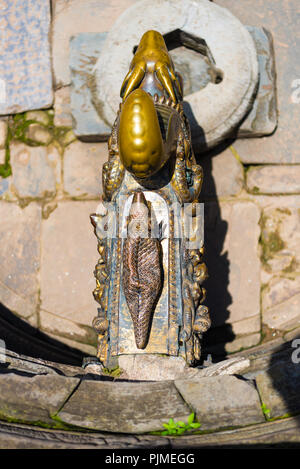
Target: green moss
x=270 y=241
x=114 y=372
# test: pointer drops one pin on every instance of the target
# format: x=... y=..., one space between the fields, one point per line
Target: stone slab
x=62 y=107
x=262 y=119
x=231 y=242
x=274 y=179
x=124 y=407
x=25 y=67
x=217 y=181
x=20 y=257
x=69 y=256
x=281 y=303
x=83 y=169
x=35 y=170
x=280 y=19
x=33 y=398
x=68 y=20
x=222 y=401
x=279 y=388
x=151 y=367
x=84 y=51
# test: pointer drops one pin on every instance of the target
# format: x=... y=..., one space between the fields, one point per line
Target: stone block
x=84 y=49
x=151 y=367
x=231 y=242
x=20 y=257
x=274 y=179
x=33 y=398
x=25 y=70
x=70 y=330
x=262 y=119
x=223 y=175
x=67 y=21
x=124 y=407
x=3 y=134
x=69 y=256
x=222 y=401
x=281 y=303
x=62 y=108
x=279 y=388
x=39 y=134
x=35 y=170
x=83 y=169
x=276 y=16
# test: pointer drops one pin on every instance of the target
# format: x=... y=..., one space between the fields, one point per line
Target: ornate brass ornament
x=148 y=278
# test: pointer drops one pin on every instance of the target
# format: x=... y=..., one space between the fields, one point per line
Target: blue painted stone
x=25 y=65
x=85 y=49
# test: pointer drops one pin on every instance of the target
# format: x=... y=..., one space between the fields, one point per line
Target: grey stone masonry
x=222 y=401
x=124 y=407
x=33 y=398
x=25 y=64
x=274 y=179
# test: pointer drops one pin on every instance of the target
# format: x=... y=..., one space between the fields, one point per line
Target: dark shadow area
x=23 y=339
x=215 y=229
x=284 y=373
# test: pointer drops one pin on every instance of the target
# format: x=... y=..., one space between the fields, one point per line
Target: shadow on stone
x=218 y=265
x=21 y=338
x=279 y=385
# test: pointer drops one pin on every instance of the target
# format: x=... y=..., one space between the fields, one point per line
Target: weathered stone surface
x=281 y=303
x=243 y=341
x=35 y=170
x=279 y=388
x=222 y=401
x=3 y=133
x=33 y=398
x=5 y=184
x=25 y=69
x=231 y=46
x=2 y=156
x=38 y=116
x=71 y=330
x=39 y=134
x=277 y=17
x=274 y=179
x=19 y=257
x=124 y=407
x=280 y=235
x=67 y=21
x=62 y=108
x=151 y=367
x=231 y=366
x=83 y=169
x=69 y=256
x=231 y=242
x=84 y=49
x=252 y=324
x=223 y=175
x=262 y=119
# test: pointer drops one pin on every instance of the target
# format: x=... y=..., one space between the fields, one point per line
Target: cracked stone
x=124 y=407
x=35 y=170
x=83 y=169
x=222 y=401
x=20 y=257
x=33 y=398
x=279 y=388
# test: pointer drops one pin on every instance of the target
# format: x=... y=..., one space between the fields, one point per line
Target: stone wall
x=50 y=182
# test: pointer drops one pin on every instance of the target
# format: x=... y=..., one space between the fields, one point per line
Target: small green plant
x=266 y=411
x=178 y=428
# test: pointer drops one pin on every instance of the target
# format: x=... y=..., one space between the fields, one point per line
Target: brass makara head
x=152 y=69
x=147 y=132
